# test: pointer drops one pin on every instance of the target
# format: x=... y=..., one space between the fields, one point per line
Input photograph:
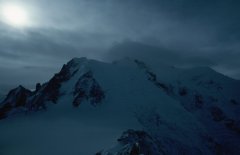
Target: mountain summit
x=159 y=109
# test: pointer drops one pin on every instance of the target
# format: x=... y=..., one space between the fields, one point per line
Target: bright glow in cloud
x=14 y=15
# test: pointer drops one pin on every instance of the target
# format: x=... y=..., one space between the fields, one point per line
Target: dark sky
x=179 y=32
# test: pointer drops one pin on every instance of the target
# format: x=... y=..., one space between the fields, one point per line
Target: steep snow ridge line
x=153 y=78
x=82 y=86
x=180 y=112
x=77 y=67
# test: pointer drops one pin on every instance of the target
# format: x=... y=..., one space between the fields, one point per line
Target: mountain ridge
x=177 y=108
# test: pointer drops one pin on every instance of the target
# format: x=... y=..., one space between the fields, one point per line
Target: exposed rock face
x=233 y=125
x=22 y=99
x=176 y=111
x=16 y=98
x=182 y=91
x=153 y=77
x=135 y=143
x=38 y=87
x=217 y=113
x=140 y=143
x=87 y=88
x=50 y=90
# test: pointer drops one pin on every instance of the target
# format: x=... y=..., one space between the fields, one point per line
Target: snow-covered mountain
x=158 y=109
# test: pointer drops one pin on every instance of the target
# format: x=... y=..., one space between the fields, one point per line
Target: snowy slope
x=87 y=105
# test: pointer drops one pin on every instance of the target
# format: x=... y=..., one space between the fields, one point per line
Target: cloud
x=150 y=53
x=222 y=61
x=178 y=32
x=25 y=57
